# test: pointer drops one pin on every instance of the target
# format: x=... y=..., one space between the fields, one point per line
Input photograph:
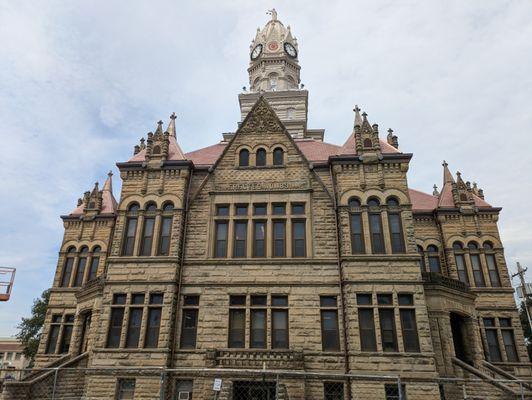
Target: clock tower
x=274 y=73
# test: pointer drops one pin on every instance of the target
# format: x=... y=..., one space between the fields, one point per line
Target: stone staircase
x=69 y=381
x=484 y=384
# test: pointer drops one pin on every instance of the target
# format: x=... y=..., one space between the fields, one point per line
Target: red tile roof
x=314 y=151
x=422 y=201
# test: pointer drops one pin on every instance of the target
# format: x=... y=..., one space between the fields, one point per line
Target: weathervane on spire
x=273 y=13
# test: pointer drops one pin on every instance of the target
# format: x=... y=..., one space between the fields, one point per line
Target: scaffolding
x=7 y=277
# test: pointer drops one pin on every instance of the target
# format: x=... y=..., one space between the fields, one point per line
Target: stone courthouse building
x=275 y=250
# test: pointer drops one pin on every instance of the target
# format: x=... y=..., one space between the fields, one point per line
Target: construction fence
x=244 y=384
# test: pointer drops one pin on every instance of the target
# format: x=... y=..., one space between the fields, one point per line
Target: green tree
x=30 y=329
x=526 y=327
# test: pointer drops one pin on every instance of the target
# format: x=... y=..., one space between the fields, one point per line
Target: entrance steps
x=59 y=378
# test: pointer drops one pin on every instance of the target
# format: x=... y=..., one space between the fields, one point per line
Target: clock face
x=256 y=52
x=290 y=50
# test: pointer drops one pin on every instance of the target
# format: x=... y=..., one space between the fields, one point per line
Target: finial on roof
x=365 y=115
x=444 y=164
x=358 y=119
x=273 y=13
x=435 y=191
x=392 y=139
x=159 y=129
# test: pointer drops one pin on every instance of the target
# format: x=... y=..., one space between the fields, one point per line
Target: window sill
x=261 y=167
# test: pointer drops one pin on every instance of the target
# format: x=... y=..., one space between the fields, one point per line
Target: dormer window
x=368 y=144
x=243 y=158
x=156 y=150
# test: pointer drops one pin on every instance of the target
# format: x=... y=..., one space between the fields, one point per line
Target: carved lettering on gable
x=262 y=186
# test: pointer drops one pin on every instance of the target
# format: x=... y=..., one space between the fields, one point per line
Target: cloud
x=81 y=82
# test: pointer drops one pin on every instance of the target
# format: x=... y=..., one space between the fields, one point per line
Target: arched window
x=166 y=229
x=396 y=226
x=493 y=270
x=68 y=266
x=434 y=258
x=422 y=264
x=474 y=256
x=243 y=158
x=278 y=156
x=130 y=231
x=460 y=262
x=273 y=82
x=463 y=197
x=95 y=262
x=368 y=143
x=357 y=232
x=146 y=243
x=375 y=226
x=260 y=160
x=82 y=263
x=156 y=150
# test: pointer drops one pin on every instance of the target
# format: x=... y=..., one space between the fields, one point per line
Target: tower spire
x=447 y=176
x=108 y=185
x=171 y=125
x=358 y=118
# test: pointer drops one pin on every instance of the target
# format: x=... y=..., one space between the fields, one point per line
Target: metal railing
x=239 y=384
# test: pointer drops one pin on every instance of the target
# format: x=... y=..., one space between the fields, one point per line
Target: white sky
x=81 y=82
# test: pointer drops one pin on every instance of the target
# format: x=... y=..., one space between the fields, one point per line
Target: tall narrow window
x=82 y=263
x=474 y=256
x=493 y=271
x=95 y=262
x=298 y=238
x=357 y=232
x=329 y=323
x=408 y=323
x=260 y=158
x=387 y=322
x=243 y=158
x=434 y=259
x=422 y=263
x=460 y=262
x=492 y=340
x=67 y=268
x=258 y=322
x=508 y=339
x=154 y=320
x=279 y=238
x=278 y=156
x=147 y=231
x=116 y=320
x=375 y=227
x=135 y=320
x=279 y=322
x=130 y=230
x=395 y=225
x=241 y=233
x=259 y=238
x=53 y=335
x=125 y=389
x=165 y=230
x=66 y=337
x=237 y=321
x=366 y=322
x=189 y=324
x=220 y=248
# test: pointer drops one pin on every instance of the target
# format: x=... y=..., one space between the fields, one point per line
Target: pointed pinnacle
x=444 y=164
x=358 y=120
x=108 y=185
x=390 y=131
